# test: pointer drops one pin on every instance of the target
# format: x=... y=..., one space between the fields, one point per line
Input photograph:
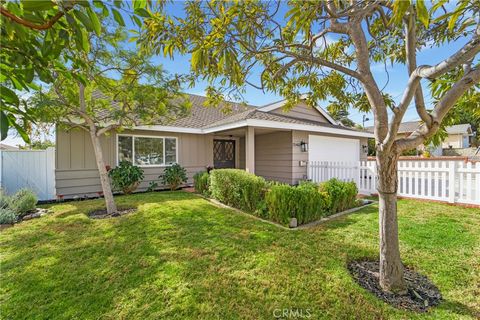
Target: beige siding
x=76 y=172
x=242 y=154
x=302 y=111
x=453 y=140
x=273 y=156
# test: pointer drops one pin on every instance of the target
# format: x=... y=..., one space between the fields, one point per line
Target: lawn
x=180 y=257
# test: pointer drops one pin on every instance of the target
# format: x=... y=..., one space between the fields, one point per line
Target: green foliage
x=466 y=110
x=23 y=201
x=340 y=114
x=126 y=177
x=201 y=182
x=42 y=42
x=7 y=216
x=4 y=199
x=174 y=175
x=39 y=145
x=304 y=202
x=343 y=194
x=237 y=188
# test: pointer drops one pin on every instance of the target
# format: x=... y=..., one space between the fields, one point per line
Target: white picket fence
x=451 y=181
x=33 y=169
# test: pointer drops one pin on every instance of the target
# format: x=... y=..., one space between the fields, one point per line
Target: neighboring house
x=458 y=136
x=262 y=140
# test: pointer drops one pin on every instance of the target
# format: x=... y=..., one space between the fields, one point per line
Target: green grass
x=179 y=257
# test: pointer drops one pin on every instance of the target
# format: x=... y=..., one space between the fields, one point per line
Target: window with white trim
x=147 y=151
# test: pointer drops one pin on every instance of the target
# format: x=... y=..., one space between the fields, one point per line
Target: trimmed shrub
x=201 y=182
x=126 y=177
x=343 y=194
x=7 y=216
x=237 y=188
x=173 y=176
x=23 y=201
x=305 y=203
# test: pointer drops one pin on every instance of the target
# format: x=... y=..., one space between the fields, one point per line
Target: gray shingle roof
x=202 y=117
x=459 y=129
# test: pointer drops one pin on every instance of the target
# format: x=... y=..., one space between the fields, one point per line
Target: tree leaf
x=9 y=96
x=118 y=17
x=456 y=14
x=139 y=4
x=21 y=130
x=95 y=21
x=137 y=21
x=422 y=13
x=37 y=5
x=400 y=7
x=142 y=12
x=84 y=19
x=4 y=125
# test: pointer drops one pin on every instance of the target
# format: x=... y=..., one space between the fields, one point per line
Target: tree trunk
x=102 y=170
x=391 y=267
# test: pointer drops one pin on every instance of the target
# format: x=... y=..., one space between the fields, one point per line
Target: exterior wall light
x=365 y=148
x=303 y=146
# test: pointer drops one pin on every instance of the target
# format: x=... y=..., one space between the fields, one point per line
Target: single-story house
x=263 y=140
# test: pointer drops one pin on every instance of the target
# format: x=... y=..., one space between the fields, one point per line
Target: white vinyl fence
x=452 y=181
x=33 y=169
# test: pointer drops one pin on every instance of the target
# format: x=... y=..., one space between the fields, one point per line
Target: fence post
x=451 y=181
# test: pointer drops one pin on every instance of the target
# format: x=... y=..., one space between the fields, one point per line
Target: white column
x=250 y=149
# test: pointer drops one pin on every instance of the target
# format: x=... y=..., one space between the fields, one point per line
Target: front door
x=224 y=154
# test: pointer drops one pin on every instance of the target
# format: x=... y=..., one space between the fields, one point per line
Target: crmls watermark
x=292 y=313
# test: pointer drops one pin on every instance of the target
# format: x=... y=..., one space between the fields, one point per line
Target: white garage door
x=321 y=148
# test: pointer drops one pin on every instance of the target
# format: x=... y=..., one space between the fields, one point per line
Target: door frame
x=237 y=147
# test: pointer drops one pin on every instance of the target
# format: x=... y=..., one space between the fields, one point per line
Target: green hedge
x=343 y=194
x=201 y=182
x=305 y=203
x=237 y=188
x=275 y=201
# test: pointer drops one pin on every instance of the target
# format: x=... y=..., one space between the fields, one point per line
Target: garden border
x=301 y=227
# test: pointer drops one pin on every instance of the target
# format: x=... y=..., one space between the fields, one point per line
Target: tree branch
x=466 y=53
x=411 y=57
x=322 y=62
x=439 y=112
x=31 y=25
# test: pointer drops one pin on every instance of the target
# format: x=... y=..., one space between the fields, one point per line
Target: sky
x=397 y=77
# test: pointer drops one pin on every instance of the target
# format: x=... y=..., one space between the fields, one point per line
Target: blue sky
x=397 y=75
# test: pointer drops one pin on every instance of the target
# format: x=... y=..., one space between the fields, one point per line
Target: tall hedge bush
x=237 y=188
x=201 y=182
x=305 y=203
x=343 y=194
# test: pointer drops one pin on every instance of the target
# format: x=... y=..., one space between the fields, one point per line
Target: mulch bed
x=422 y=294
x=102 y=213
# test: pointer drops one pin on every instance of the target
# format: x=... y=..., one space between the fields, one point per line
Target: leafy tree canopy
x=294 y=50
x=34 y=36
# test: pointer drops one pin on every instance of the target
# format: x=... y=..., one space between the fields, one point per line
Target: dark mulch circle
x=422 y=294
x=102 y=213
